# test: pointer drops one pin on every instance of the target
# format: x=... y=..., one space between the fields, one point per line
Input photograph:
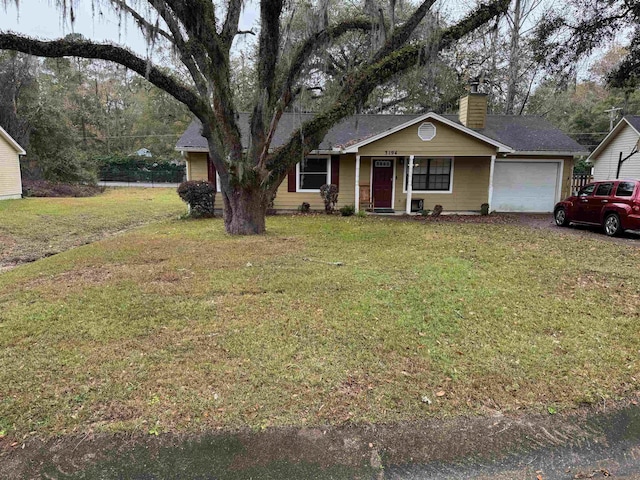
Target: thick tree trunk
x=245 y=211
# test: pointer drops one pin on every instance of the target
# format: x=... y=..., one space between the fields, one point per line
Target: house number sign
x=391 y=152
x=383 y=163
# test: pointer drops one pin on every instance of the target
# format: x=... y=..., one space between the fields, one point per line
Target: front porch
x=398 y=185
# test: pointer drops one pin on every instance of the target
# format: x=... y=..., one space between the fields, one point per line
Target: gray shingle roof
x=522 y=133
x=526 y=133
x=634 y=121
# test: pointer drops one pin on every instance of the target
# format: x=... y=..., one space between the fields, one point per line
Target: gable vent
x=427 y=131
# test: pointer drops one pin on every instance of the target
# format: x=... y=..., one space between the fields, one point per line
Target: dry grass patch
x=33 y=228
x=178 y=327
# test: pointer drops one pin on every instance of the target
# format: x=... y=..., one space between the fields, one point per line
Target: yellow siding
x=447 y=142
x=473 y=110
x=197 y=166
x=470 y=187
x=286 y=200
x=10 y=181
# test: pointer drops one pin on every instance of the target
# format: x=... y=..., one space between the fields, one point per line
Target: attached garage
x=531 y=186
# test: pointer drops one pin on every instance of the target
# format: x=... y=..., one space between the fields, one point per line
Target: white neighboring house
x=10 y=179
x=621 y=143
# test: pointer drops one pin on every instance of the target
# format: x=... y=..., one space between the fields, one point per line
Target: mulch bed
x=44 y=188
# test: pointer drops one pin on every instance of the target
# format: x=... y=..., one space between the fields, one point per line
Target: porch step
x=384 y=210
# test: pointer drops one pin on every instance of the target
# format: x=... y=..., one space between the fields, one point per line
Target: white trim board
x=16 y=146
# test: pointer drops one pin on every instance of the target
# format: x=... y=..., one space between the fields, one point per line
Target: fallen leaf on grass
x=440 y=393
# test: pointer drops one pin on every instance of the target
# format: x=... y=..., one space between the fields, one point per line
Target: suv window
x=586 y=191
x=625 y=189
x=604 y=189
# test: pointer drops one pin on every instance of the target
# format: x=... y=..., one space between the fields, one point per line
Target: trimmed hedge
x=137 y=169
x=200 y=196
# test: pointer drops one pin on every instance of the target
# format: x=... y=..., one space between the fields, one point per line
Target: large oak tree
x=202 y=34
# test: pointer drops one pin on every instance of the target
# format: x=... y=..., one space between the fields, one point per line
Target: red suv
x=613 y=204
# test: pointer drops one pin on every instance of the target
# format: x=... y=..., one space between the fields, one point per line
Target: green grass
x=32 y=228
x=178 y=327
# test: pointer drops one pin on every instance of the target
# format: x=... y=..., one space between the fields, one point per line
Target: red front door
x=382 y=183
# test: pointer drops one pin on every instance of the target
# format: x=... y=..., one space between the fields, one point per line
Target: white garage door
x=525 y=186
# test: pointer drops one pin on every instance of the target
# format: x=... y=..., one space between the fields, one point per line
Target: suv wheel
x=561 y=217
x=612 y=225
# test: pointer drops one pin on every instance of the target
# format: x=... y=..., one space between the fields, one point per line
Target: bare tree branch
x=270 y=11
x=146 y=26
x=302 y=55
x=122 y=56
x=360 y=84
x=401 y=35
x=230 y=28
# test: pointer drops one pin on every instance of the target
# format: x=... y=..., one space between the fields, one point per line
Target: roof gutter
x=550 y=153
x=206 y=150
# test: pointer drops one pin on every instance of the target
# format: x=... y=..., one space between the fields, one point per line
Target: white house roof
x=631 y=120
x=12 y=142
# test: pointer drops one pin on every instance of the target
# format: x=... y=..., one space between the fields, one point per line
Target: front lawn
x=178 y=327
x=32 y=228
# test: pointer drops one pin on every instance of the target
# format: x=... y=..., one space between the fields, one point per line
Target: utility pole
x=613 y=114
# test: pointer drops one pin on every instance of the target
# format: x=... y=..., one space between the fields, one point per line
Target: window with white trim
x=430 y=174
x=312 y=173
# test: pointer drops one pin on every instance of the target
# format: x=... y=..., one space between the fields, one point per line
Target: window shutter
x=292 y=180
x=211 y=170
x=335 y=170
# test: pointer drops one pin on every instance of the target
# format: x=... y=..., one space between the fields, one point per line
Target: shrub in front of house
x=329 y=194
x=304 y=207
x=347 y=210
x=200 y=196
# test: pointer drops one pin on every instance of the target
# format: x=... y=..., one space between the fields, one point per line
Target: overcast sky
x=40 y=18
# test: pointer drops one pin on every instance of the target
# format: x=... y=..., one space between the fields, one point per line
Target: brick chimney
x=473 y=108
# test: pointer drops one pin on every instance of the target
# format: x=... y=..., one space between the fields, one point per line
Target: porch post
x=491 y=169
x=410 y=184
x=357 y=183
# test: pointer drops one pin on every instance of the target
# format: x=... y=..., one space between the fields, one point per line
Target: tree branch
x=230 y=28
x=270 y=11
x=151 y=29
x=300 y=58
x=360 y=84
x=122 y=56
x=401 y=35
